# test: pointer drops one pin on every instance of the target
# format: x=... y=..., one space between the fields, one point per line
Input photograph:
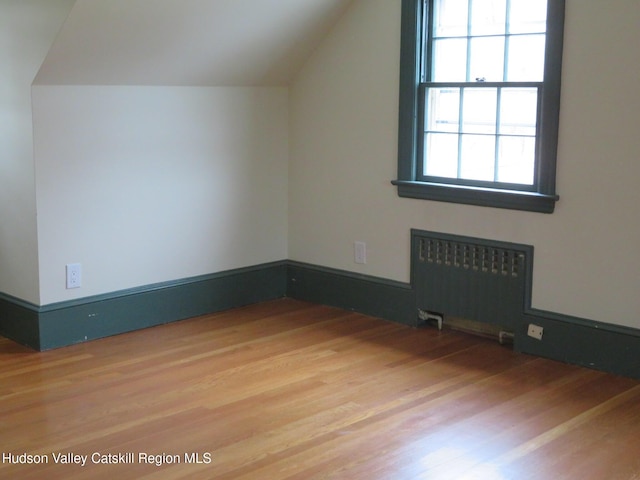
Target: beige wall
x=138 y=184
x=343 y=117
x=27 y=30
x=149 y=184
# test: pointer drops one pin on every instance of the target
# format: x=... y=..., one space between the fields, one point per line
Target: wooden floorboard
x=291 y=390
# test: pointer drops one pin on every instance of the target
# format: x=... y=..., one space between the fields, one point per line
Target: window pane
x=450 y=60
x=478 y=157
x=518 y=111
x=487 y=59
x=516 y=157
x=443 y=109
x=479 y=110
x=441 y=155
x=526 y=58
x=488 y=17
x=450 y=18
x=528 y=16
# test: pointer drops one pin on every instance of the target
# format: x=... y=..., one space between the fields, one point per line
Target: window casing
x=479 y=102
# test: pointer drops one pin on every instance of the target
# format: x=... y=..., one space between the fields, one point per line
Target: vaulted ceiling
x=187 y=42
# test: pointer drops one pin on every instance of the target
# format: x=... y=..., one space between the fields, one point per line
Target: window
x=479 y=101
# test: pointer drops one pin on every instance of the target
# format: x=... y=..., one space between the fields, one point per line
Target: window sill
x=485 y=197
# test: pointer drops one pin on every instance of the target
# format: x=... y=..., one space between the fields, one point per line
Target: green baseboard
x=598 y=345
x=373 y=296
x=19 y=321
x=66 y=323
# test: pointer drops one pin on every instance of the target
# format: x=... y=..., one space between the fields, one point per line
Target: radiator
x=476 y=279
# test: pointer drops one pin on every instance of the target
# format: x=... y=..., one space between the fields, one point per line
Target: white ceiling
x=187 y=42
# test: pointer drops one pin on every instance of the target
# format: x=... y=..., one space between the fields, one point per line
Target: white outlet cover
x=74 y=275
x=535 y=331
x=360 y=252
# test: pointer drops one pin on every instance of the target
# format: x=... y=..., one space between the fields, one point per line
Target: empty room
x=304 y=239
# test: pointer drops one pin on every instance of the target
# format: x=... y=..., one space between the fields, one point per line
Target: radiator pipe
x=426 y=316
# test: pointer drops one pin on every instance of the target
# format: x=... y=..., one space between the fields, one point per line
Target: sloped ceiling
x=187 y=42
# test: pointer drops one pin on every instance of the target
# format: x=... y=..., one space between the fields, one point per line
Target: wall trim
x=75 y=321
x=375 y=296
x=19 y=321
x=589 y=343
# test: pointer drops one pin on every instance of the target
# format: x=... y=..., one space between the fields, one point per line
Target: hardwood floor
x=290 y=390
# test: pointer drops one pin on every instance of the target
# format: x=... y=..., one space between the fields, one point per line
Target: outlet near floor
x=535 y=331
x=74 y=275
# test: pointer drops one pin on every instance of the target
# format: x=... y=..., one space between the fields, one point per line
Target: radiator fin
x=477 y=279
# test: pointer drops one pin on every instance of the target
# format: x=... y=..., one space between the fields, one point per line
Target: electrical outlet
x=74 y=275
x=535 y=331
x=360 y=252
